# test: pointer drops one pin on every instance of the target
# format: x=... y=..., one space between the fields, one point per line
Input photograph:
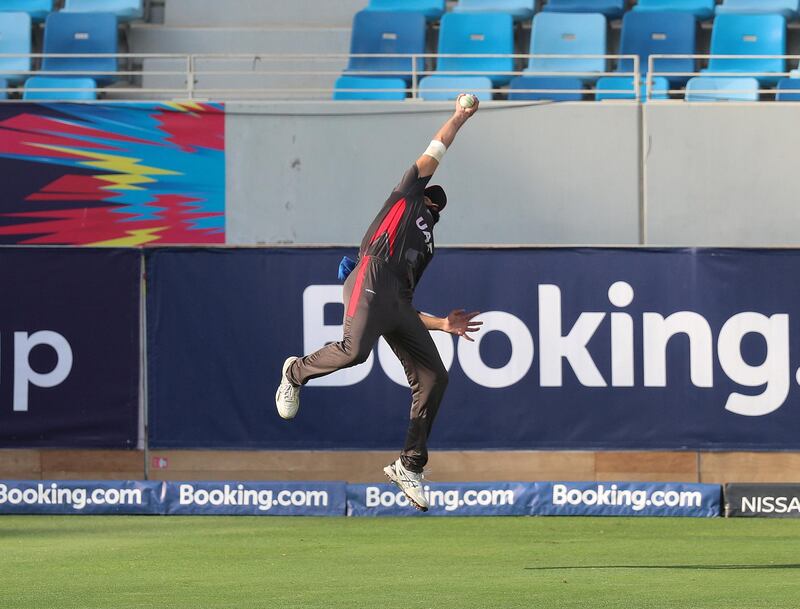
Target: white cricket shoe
x=408 y=482
x=287 y=398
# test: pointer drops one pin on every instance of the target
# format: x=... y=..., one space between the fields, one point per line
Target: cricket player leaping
x=393 y=256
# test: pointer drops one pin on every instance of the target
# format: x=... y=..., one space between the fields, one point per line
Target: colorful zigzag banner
x=112 y=174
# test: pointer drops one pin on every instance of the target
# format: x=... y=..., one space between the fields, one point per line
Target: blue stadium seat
x=15 y=38
x=788 y=89
x=702 y=9
x=609 y=8
x=520 y=10
x=621 y=87
x=568 y=34
x=37 y=9
x=389 y=33
x=438 y=88
x=366 y=88
x=124 y=10
x=3 y=85
x=710 y=88
x=748 y=35
x=80 y=33
x=653 y=33
x=83 y=88
x=477 y=34
x=432 y=9
x=517 y=88
x=787 y=8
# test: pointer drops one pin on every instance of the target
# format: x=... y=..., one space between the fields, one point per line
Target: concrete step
x=297 y=39
x=261 y=12
x=217 y=79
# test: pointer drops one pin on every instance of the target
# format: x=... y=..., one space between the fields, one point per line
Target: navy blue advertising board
x=255 y=498
x=282 y=498
x=69 y=347
x=445 y=499
x=627 y=499
x=81 y=497
x=224 y=498
x=581 y=349
x=541 y=499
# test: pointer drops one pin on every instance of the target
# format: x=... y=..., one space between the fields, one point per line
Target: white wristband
x=436 y=149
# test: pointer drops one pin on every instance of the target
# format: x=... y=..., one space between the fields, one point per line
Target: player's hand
x=459 y=323
x=464 y=113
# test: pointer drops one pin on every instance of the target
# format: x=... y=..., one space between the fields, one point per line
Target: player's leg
x=361 y=329
x=427 y=377
x=362 y=325
x=358 y=338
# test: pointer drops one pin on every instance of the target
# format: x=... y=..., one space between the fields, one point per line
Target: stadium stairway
x=233 y=13
x=246 y=27
x=262 y=40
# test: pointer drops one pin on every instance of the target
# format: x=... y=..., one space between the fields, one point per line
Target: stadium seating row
x=38 y=10
x=70 y=34
x=376 y=34
x=525 y=9
x=579 y=38
x=698 y=88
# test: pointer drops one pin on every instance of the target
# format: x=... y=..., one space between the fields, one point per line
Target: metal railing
x=228 y=77
x=127 y=72
x=231 y=76
x=715 y=94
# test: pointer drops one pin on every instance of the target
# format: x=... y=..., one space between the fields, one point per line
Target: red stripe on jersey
x=356 y=295
x=390 y=224
x=395 y=226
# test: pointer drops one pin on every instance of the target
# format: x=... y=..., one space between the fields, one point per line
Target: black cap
x=437 y=195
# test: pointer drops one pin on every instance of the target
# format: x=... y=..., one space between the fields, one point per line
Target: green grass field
x=121 y=562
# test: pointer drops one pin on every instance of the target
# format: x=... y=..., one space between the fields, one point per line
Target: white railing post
x=414 y=76
x=190 y=76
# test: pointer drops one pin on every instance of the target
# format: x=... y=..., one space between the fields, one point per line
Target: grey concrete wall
x=722 y=174
x=517 y=173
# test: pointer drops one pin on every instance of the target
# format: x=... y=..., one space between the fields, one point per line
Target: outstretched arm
x=458 y=322
x=426 y=164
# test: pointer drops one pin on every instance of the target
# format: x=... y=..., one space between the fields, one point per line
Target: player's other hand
x=460 y=323
x=464 y=113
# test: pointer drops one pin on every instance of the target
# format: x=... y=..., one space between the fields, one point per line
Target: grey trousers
x=375 y=306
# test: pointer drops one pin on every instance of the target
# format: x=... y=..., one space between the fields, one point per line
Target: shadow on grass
x=667 y=567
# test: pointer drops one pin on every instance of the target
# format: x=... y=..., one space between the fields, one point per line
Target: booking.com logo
x=450 y=499
x=558 y=345
x=613 y=496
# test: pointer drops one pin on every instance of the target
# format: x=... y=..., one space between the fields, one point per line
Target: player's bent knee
x=361 y=356
x=358 y=355
x=355 y=353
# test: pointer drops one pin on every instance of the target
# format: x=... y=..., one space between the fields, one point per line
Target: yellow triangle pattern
x=184 y=106
x=133 y=238
x=127 y=172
